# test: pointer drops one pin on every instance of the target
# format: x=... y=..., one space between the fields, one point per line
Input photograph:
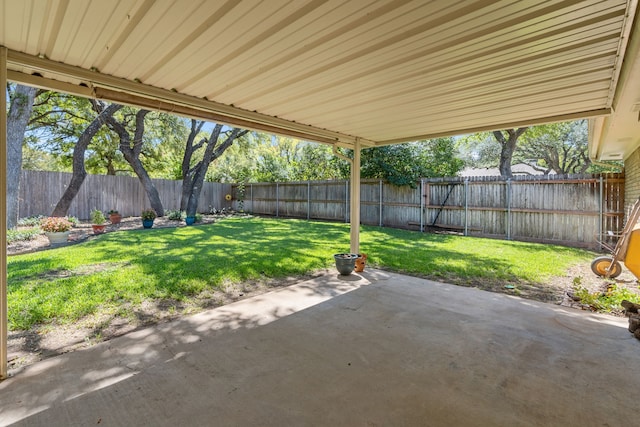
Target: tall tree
x=131 y=148
x=79 y=172
x=21 y=100
x=186 y=171
x=194 y=171
x=558 y=147
x=508 y=144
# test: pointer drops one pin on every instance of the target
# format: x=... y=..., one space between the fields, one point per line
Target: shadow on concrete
x=383 y=350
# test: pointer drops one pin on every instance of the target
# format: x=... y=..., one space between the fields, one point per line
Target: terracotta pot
x=360 y=262
x=115 y=218
x=98 y=229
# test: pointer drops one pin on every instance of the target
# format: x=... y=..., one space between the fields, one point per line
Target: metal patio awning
x=382 y=71
x=348 y=73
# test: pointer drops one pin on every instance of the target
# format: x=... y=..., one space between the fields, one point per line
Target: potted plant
x=114 y=216
x=148 y=215
x=98 y=221
x=345 y=263
x=361 y=262
x=57 y=229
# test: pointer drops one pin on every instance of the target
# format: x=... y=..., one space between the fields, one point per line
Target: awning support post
x=354 y=207
x=355 y=198
x=4 y=323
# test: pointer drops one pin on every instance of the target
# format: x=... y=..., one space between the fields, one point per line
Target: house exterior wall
x=632 y=179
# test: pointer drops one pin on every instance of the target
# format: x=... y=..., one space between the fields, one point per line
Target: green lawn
x=128 y=268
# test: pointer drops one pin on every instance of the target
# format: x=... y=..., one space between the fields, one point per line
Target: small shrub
x=73 y=220
x=22 y=235
x=608 y=301
x=198 y=217
x=30 y=221
x=175 y=215
x=97 y=217
x=148 y=214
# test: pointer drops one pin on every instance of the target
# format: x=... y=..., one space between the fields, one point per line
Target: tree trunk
x=131 y=151
x=187 y=173
x=17 y=119
x=79 y=172
x=508 y=148
x=145 y=180
x=213 y=150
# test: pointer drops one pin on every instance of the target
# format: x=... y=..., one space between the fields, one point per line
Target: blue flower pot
x=190 y=220
x=147 y=223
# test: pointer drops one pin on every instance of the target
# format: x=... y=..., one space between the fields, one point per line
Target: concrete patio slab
x=376 y=349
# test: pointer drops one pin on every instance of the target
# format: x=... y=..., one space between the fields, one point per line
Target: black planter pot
x=345 y=263
x=190 y=220
x=147 y=223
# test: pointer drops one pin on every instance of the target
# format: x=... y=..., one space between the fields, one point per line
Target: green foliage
x=56 y=123
x=15 y=235
x=608 y=301
x=559 y=147
x=609 y=166
x=129 y=268
x=480 y=150
x=440 y=158
x=58 y=120
x=262 y=158
x=175 y=215
x=405 y=164
x=30 y=221
x=241 y=188
x=97 y=217
x=148 y=214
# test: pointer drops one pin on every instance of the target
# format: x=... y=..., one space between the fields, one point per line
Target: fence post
x=508 y=209
x=380 y=208
x=421 y=205
x=466 y=207
x=251 y=192
x=308 y=200
x=600 y=212
x=346 y=201
x=277 y=200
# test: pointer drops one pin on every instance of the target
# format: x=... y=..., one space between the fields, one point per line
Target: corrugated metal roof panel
x=387 y=70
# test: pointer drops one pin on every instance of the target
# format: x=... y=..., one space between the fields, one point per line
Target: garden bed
x=83 y=231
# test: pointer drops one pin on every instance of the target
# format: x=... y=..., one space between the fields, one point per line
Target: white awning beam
x=97 y=85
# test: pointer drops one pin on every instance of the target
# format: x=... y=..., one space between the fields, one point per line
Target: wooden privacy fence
x=40 y=192
x=571 y=209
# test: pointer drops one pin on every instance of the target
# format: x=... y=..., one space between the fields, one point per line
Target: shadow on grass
x=178 y=263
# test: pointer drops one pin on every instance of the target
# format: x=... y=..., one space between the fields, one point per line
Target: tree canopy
x=59 y=121
x=560 y=148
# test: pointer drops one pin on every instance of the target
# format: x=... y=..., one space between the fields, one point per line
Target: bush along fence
x=575 y=210
x=40 y=191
